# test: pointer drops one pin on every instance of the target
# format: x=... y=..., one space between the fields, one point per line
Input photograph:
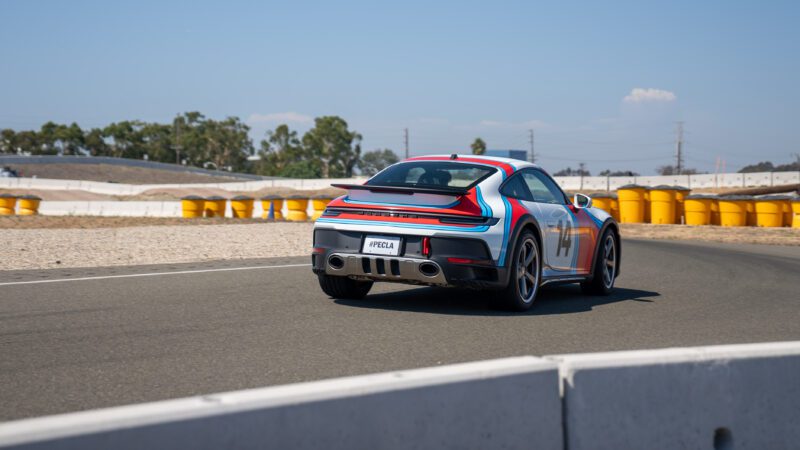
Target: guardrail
x=568 y=183
x=735 y=396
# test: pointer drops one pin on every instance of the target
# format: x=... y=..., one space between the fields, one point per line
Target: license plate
x=382 y=245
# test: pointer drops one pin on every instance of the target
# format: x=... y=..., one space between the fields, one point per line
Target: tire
x=343 y=287
x=605 y=268
x=525 y=276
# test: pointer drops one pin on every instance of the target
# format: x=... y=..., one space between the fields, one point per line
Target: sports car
x=495 y=224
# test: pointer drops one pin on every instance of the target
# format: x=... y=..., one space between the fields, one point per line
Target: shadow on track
x=564 y=299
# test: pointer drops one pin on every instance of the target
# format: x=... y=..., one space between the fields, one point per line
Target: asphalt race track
x=110 y=338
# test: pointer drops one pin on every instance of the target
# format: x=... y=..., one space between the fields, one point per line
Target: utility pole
x=679 y=150
x=177 y=145
x=405 y=134
x=532 y=156
x=582 y=170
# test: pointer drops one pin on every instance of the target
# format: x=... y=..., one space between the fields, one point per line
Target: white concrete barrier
x=508 y=403
x=567 y=183
x=736 y=396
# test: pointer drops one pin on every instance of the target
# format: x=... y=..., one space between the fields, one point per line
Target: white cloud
x=284 y=117
x=639 y=95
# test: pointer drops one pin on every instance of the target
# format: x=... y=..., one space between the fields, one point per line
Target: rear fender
x=609 y=223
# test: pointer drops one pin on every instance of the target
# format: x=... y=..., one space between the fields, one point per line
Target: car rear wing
x=404 y=190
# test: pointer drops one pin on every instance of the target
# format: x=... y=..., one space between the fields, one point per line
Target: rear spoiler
x=404 y=190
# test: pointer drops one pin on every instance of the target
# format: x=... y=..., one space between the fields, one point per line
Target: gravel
x=98 y=247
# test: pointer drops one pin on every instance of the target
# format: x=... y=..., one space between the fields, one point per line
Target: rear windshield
x=437 y=174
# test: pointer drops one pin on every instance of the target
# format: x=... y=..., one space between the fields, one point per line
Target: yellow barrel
x=7 y=204
x=319 y=203
x=242 y=207
x=714 y=210
x=604 y=201
x=662 y=205
x=214 y=206
x=733 y=210
x=697 y=209
x=752 y=217
x=681 y=192
x=272 y=206
x=615 y=207
x=297 y=206
x=796 y=212
x=631 y=203
x=787 y=212
x=769 y=210
x=647 y=211
x=192 y=206
x=28 y=205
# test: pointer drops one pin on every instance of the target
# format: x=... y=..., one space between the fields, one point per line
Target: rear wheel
x=526 y=271
x=605 y=268
x=343 y=287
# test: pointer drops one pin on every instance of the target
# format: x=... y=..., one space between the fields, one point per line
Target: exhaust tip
x=336 y=262
x=429 y=269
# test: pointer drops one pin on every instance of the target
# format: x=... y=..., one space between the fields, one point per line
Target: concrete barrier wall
x=509 y=403
x=748 y=396
x=567 y=183
x=723 y=397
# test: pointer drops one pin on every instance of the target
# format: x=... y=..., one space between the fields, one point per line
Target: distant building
x=522 y=155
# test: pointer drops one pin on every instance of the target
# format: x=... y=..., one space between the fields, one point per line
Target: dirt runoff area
x=741 y=235
x=90 y=246
x=43 y=242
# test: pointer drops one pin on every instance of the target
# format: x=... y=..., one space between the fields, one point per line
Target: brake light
x=461 y=261
x=426 y=246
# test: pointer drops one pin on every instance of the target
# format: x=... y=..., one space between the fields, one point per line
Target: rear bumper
x=343 y=248
x=385 y=268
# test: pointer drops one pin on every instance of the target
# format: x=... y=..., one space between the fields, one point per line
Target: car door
x=558 y=223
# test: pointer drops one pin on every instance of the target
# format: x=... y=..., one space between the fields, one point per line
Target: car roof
x=516 y=163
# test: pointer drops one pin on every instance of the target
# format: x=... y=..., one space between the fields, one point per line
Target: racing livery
x=496 y=224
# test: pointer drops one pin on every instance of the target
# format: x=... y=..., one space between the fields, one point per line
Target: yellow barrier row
x=674 y=205
x=23 y=205
x=242 y=207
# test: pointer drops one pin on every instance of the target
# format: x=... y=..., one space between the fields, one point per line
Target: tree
x=303 y=169
x=569 y=172
x=671 y=170
x=335 y=147
x=7 y=141
x=376 y=160
x=95 y=142
x=618 y=173
x=763 y=166
x=281 y=148
x=478 y=147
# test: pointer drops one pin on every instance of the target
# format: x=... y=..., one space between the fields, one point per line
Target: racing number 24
x=564 y=238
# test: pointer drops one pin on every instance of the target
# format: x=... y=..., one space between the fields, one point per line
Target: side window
x=515 y=187
x=543 y=189
x=413 y=175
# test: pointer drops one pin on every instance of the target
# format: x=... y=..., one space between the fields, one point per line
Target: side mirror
x=582 y=201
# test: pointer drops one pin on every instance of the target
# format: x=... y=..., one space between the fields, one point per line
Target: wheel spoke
x=529 y=259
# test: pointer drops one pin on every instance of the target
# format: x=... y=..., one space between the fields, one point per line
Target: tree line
x=329 y=149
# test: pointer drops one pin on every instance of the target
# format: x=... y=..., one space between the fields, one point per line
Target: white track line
x=153 y=274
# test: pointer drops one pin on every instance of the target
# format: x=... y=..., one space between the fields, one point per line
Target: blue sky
x=449 y=71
